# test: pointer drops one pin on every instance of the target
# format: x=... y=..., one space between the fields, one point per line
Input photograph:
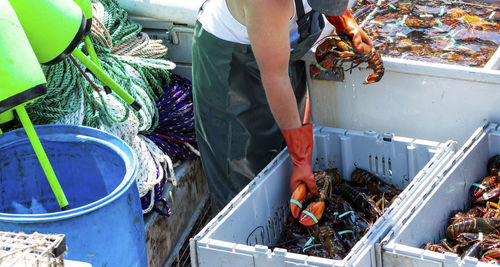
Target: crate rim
x=382 y=224
x=389 y=245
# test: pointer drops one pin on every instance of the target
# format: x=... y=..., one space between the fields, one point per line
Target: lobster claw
x=492 y=253
x=493 y=193
x=313 y=213
x=298 y=197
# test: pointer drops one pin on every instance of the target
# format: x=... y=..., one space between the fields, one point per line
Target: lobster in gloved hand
x=325 y=180
x=350 y=43
x=300 y=145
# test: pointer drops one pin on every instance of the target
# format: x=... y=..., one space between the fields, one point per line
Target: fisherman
x=249 y=85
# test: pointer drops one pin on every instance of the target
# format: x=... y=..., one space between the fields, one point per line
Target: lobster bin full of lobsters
x=456 y=220
x=364 y=178
x=427 y=56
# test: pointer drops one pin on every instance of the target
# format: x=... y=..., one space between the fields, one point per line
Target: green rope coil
x=63 y=95
x=67 y=87
x=117 y=22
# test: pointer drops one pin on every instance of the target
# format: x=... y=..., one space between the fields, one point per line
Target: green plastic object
x=42 y=157
x=90 y=49
x=86 y=7
x=56 y=32
x=22 y=81
x=6 y=117
x=105 y=79
x=21 y=77
x=54 y=27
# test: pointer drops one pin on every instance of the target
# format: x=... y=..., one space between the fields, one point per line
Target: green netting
x=70 y=93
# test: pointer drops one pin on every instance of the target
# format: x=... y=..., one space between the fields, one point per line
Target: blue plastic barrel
x=97 y=173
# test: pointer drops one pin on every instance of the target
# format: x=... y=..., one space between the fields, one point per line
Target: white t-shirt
x=217 y=20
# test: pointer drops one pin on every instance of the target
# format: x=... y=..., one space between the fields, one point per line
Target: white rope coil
x=153 y=164
x=166 y=64
x=77 y=117
x=140 y=46
x=98 y=29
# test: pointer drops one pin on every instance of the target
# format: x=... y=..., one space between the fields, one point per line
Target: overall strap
x=303 y=20
x=299 y=7
x=201 y=7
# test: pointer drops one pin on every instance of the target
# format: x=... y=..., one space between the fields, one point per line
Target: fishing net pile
x=161 y=133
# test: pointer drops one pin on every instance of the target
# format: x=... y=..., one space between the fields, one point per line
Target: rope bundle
x=175 y=133
x=154 y=165
x=139 y=65
x=115 y=20
x=139 y=45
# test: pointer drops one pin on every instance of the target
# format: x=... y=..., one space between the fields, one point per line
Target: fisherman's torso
x=220 y=18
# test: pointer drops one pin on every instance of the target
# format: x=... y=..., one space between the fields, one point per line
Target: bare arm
x=267 y=26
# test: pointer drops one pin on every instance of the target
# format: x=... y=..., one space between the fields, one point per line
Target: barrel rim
x=122 y=148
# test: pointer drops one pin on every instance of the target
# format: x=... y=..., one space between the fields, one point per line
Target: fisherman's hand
x=346 y=24
x=303 y=176
x=361 y=41
x=300 y=145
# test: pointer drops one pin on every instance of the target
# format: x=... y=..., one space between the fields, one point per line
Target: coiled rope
x=148 y=73
x=139 y=45
x=175 y=133
x=122 y=50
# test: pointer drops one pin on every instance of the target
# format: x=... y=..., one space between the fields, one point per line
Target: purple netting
x=176 y=121
x=175 y=128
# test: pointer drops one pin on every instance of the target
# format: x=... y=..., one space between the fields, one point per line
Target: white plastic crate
x=241 y=233
x=434 y=101
x=426 y=220
x=424 y=100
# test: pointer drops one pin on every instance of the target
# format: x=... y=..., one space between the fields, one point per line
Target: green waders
x=236 y=132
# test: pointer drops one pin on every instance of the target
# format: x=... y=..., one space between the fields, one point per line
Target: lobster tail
x=377 y=65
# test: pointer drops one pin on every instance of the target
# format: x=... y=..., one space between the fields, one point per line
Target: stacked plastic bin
x=426 y=220
x=240 y=235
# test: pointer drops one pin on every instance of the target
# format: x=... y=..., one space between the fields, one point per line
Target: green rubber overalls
x=235 y=129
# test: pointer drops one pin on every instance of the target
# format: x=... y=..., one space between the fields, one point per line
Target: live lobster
x=476 y=233
x=334 y=50
x=338 y=216
x=314 y=211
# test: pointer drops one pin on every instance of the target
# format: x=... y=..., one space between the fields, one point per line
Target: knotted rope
x=175 y=133
x=139 y=45
x=122 y=50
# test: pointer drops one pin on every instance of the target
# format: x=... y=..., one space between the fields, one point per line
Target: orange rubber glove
x=300 y=146
x=346 y=24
